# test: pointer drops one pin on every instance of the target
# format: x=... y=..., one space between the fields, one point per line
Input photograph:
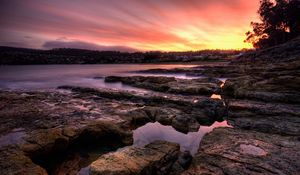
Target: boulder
x=155 y=158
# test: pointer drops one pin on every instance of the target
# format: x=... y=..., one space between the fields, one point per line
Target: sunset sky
x=127 y=25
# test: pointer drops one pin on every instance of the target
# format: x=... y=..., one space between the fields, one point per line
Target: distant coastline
x=25 y=56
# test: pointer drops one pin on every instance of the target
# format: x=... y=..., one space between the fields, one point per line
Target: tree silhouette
x=280 y=22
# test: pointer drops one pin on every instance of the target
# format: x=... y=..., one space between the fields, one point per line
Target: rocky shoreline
x=49 y=132
x=51 y=123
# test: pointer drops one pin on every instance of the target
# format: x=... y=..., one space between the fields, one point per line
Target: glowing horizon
x=164 y=25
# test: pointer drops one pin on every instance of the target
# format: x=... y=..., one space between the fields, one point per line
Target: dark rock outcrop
x=286 y=52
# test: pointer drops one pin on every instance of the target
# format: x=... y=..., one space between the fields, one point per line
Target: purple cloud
x=85 y=45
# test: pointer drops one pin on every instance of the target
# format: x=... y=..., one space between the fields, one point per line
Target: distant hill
x=13 y=56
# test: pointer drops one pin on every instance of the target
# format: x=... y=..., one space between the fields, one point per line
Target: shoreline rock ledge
x=239 y=152
x=263 y=108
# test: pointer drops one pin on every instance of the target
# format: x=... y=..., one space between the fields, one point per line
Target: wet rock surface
x=182 y=112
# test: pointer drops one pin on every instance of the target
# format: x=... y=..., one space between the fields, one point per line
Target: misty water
x=36 y=77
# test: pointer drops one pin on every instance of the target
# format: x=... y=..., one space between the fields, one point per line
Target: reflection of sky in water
x=216 y=96
x=223 y=79
x=155 y=131
x=32 y=77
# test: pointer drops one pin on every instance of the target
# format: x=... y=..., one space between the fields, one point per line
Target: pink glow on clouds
x=140 y=24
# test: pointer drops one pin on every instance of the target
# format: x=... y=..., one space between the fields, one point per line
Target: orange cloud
x=169 y=25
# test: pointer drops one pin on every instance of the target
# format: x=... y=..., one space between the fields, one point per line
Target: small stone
x=252 y=150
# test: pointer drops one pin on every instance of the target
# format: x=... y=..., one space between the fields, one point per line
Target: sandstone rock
x=156 y=158
x=41 y=142
x=267 y=100
x=53 y=122
x=183 y=162
x=276 y=118
x=268 y=80
x=216 y=70
x=234 y=151
x=13 y=162
x=286 y=52
x=276 y=89
x=45 y=125
x=203 y=86
x=51 y=143
x=185 y=159
x=202 y=109
x=166 y=116
x=263 y=107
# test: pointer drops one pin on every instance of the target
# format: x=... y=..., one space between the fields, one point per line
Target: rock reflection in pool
x=188 y=142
